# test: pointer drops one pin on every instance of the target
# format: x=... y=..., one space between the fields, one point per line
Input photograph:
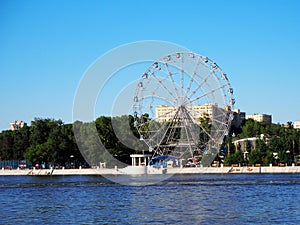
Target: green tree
x=6 y=145
x=255 y=157
x=251 y=129
x=206 y=125
x=36 y=154
x=45 y=141
x=261 y=146
x=236 y=158
x=248 y=146
x=20 y=142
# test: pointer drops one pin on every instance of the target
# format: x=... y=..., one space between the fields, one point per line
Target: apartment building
x=260 y=118
x=17 y=124
x=165 y=113
x=296 y=124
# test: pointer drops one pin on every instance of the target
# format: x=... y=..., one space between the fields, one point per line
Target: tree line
x=46 y=141
x=52 y=142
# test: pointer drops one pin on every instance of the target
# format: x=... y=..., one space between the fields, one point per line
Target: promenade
x=190 y=170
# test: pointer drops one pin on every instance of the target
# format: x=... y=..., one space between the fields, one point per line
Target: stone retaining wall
x=191 y=170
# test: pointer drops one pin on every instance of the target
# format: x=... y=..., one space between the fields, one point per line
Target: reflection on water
x=183 y=199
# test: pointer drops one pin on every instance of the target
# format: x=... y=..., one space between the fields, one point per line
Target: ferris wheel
x=183 y=104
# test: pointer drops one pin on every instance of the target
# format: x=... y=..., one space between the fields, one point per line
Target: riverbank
x=191 y=170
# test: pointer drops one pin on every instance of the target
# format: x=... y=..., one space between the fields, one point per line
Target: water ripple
x=189 y=199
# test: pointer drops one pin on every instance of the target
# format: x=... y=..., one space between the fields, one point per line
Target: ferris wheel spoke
x=146 y=123
x=203 y=82
x=190 y=132
x=170 y=75
x=207 y=93
x=193 y=76
x=195 y=133
x=188 y=139
x=164 y=87
x=182 y=76
x=165 y=133
x=171 y=135
x=206 y=132
x=151 y=99
x=218 y=121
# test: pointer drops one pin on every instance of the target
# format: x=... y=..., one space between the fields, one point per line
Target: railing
x=13 y=164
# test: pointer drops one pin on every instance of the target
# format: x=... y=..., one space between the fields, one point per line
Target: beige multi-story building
x=296 y=124
x=260 y=118
x=17 y=124
x=165 y=113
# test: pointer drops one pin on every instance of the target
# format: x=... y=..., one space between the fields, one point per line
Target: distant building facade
x=239 y=119
x=17 y=124
x=166 y=113
x=296 y=124
x=260 y=118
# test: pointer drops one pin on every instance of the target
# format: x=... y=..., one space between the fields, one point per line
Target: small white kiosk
x=140 y=159
x=140 y=166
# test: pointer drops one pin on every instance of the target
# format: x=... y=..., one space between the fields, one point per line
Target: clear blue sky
x=46 y=46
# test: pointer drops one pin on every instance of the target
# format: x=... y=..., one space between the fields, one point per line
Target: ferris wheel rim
x=203 y=60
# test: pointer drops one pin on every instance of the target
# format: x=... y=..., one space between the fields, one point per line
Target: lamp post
x=288 y=157
x=275 y=157
x=71 y=161
x=142 y=139
x=246 y=157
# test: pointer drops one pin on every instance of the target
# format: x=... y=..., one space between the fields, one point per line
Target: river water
x=181 y=199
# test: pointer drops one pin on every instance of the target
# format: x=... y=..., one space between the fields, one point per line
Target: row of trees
x=45 y=141
x=53 y=142
x=119 y=138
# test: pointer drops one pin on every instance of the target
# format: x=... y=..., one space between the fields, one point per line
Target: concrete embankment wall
x=286 y=169
x=191 y=170
x=234 y=170
x=56 y=172
x=194 y=170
